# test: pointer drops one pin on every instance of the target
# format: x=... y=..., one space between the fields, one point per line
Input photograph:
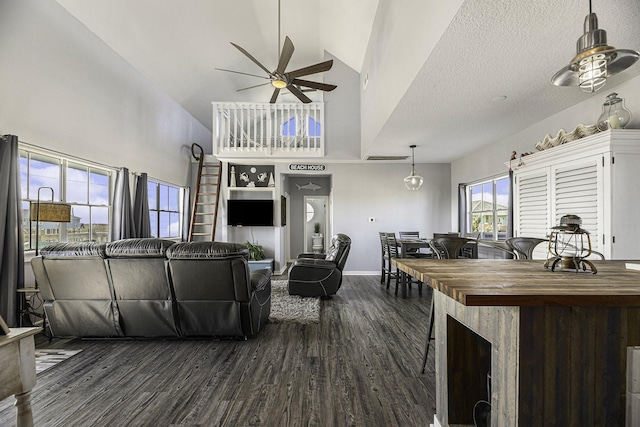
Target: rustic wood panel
x=359 y=367
x=576 y=357
x=499 y=326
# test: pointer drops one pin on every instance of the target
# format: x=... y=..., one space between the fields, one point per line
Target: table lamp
x=48 y=211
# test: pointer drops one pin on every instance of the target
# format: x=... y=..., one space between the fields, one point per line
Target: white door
x=315 y=212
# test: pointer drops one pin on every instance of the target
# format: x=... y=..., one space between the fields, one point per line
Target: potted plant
x=256 y=251
x=316 y=228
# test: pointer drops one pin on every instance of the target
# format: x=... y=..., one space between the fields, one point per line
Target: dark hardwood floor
x=359 y=367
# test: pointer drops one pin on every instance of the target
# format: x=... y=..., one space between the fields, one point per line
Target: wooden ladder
x=204 y=214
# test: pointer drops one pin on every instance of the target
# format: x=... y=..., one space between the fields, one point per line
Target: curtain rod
x=486 y=179
x=80 y=159
x=69 y=156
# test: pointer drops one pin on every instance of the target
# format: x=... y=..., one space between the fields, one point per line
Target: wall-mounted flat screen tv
x=245 y=213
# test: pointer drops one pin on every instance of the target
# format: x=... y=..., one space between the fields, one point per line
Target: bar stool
x=524 y=246
x=447 y=247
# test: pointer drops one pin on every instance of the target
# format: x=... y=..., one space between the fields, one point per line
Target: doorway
x=316 y=218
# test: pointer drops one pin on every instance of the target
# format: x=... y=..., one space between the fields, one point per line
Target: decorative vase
x=614 y=114
x=232 y=182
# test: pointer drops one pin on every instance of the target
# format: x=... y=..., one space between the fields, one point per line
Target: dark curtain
x=462 y=209
x=141 y=221
x=121 y=212
x=510 y=207
x=11 y=243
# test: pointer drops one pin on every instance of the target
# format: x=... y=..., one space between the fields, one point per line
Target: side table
x=29 y=308
x=263 y=263
x=18 y=373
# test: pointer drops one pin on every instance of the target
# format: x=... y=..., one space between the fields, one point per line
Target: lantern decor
x=569 y=245
x=614 y=114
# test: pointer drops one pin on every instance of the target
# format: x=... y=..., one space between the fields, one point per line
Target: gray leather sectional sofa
x=152 y=288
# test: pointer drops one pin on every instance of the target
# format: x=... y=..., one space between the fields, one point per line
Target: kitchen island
x=544 y=348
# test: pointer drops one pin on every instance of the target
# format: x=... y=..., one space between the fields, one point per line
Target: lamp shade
x=413 y=181
x=50 y=212
x=595 y=60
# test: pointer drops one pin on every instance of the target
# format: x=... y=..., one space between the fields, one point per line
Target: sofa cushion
x=73 y=250
x=139 y=248
x=207 y=250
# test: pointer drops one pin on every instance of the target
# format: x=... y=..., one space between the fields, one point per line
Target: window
x=488 y=208
x=289 y=128
x=164 y=210
x=85 y=186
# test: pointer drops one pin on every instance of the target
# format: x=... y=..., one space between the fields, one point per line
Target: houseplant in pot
x=256 y=251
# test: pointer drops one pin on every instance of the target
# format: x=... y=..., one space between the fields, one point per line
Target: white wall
x=490 y=160
x=64 y=89
x=342 y=113
x=361 y=191
x=399 y=36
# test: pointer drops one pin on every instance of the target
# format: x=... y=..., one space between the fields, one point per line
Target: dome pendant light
x=413 y=181
x=595 y=60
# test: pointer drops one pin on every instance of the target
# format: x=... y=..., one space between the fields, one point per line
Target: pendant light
x=413 y=181
x=595 y=60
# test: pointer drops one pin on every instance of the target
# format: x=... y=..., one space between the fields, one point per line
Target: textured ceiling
x=491 y=48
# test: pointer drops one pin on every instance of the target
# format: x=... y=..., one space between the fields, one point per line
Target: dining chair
x=445 y=247
x=391 y=252
x=383 y=255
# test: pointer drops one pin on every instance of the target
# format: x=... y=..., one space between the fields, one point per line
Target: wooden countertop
x=485 y=282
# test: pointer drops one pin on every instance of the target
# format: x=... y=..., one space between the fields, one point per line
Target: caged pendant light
x=413 y=181
x=595 y=61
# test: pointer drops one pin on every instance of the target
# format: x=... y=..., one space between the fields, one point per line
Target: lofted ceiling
x=488 y=50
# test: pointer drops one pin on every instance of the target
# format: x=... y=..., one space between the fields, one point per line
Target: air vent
x=387 y=157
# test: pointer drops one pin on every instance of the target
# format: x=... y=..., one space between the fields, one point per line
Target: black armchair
x=313 y=275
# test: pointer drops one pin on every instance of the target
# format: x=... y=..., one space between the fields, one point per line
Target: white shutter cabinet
x=596 y=178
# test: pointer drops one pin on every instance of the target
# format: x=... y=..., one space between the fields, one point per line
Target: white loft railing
x=262 y=129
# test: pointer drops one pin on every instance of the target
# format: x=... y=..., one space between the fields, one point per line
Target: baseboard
x=361 y=273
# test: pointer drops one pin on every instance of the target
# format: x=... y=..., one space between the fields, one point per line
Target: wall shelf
x=270 y=190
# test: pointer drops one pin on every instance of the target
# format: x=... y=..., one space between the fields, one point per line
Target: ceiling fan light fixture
x=595 y=61
x=414 y=181
x=279 y=83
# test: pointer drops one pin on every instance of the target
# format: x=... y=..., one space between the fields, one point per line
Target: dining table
x=406 y=244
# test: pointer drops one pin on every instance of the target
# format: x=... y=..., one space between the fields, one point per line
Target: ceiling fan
x=281 y=79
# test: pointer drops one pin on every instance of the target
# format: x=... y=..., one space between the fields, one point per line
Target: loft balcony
x=279 y=130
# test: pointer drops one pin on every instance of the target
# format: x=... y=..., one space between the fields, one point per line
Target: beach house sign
x=307 y=167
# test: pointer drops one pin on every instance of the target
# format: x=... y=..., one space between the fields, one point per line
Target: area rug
x=287 y=308
x=46 y=358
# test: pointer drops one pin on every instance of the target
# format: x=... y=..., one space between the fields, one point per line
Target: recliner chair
x=313 y=275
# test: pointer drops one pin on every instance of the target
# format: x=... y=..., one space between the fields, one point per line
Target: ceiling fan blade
x=240 y=72
x=311 y=69
x=248 y=55
x=301 y=96
x=315 y=85
x=274 y=96
x=285 y=55
x=254 y=86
